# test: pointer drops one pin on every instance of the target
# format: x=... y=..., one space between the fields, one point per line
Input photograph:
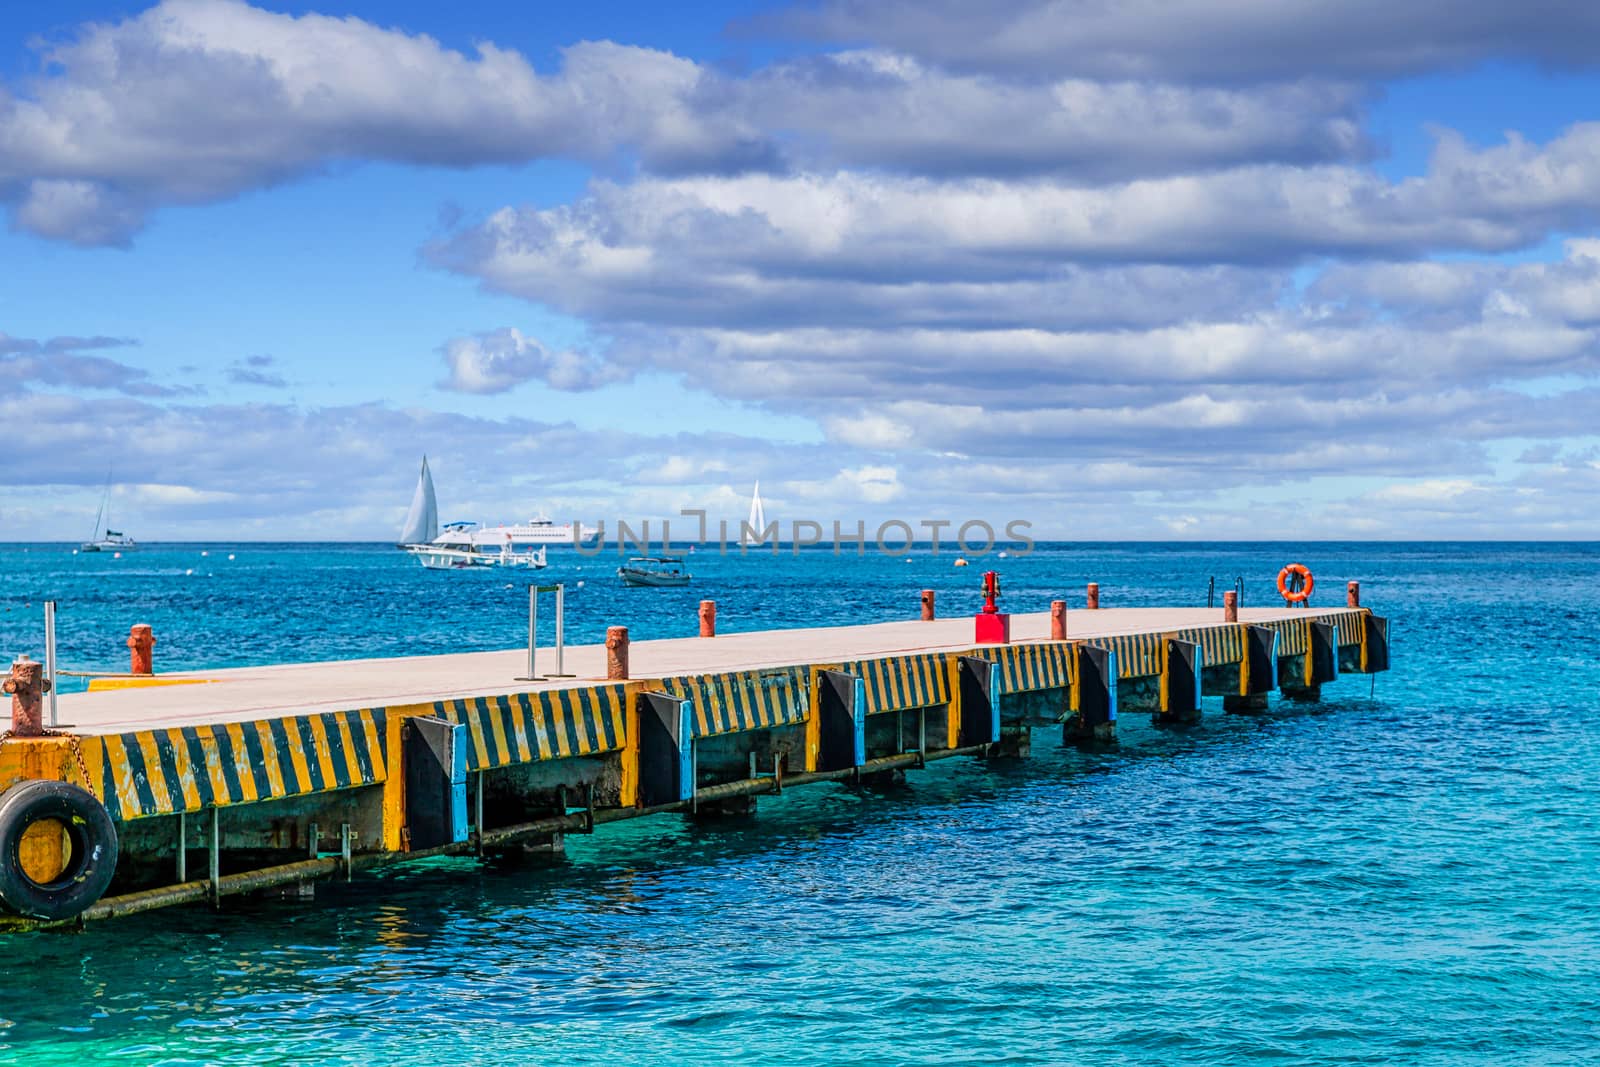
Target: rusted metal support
x=27 y=686
x=214 y=856
x=616 y=653
x=1230 y=606
x=1058 y=620
x=1352 y=595
x=141 y=649
x=927 y=605
x=708 y=618
x=1093 y=597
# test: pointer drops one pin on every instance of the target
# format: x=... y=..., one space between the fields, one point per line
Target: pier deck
x=244 y=694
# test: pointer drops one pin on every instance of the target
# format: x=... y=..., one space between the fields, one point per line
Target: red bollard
x=993 y=627
x=927 y=605
x=1230 y=606
x=708 y=618
x=1094 y=597
x=617 y=653
x=27 y=686
x=141 y=649
x=1058 y=620
x=1352 y=595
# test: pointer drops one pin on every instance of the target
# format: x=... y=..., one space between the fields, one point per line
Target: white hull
x=442 y=558
x=103 y=545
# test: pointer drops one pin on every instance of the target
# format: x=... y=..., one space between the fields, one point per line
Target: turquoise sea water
x=1406 y=873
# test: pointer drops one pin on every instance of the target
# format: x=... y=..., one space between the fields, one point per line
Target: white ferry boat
x=537 y=531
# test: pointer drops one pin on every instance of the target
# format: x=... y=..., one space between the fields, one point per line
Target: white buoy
x=116 y=555
x=205 y=553
x=230 y=555
x=189 y=571
x=1002 y=555
x=580 y=583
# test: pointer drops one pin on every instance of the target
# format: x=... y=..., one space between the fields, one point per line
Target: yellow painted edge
x=101 y=685
x=628 y=791
x=953 y=709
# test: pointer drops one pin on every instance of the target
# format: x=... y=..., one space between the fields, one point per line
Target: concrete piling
x=708 y=618
x=616 y=653
x=27 y=686
x=1093 y=597
x=1058 y=620
x=927 y=605
x=141 y=649
x=1230 y=606
x=1352 y=595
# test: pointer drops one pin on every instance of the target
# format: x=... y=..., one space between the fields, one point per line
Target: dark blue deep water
x=1407 y=873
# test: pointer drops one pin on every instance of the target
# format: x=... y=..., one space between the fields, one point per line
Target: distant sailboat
x=105 y=539
x=755 y=527
x=422 y=521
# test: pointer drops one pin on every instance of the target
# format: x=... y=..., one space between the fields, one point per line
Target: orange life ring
x=1306 y=583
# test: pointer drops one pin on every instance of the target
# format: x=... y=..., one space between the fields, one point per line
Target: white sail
x=422 y=521
x=755 y=527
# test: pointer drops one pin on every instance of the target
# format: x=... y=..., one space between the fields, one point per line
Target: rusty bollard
x=141 y=649
x=1093 y=597
x=1058 y=620
x=708 y=618
x=617 y=653
x=927 y=605
x=1230 y=606
x=27 y=686
x=1352 y=595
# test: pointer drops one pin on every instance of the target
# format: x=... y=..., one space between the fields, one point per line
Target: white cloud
x=502 y=359
x=197 y=100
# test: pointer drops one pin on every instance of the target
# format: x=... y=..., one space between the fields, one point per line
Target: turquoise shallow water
x=1405 y=874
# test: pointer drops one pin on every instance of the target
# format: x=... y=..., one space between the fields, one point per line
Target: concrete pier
x=244 y=779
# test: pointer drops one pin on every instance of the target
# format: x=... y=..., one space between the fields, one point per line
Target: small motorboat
x=653 y=570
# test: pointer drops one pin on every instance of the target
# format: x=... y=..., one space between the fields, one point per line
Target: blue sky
x=1184 y=269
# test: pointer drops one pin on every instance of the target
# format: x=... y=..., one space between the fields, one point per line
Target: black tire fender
x=89 y=829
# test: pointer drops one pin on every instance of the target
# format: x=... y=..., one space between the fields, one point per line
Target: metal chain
x=76 y=745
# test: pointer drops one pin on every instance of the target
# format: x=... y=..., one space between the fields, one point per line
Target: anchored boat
x=653 y=571
x=455 y=549
x=105 y=539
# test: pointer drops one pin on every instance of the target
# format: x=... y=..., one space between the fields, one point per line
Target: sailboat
x=422 y=521
x=755 y=527
x=105 y=539
x=457 y=547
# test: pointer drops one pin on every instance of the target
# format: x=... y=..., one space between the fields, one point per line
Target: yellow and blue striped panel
x=160 y=772
x=744 y=700
x=1138 y=655
x=1024 y=668
x=527 y=727
x=903 y=681
x=1218 y=644
x=1294 y=635
x=1350 y=624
